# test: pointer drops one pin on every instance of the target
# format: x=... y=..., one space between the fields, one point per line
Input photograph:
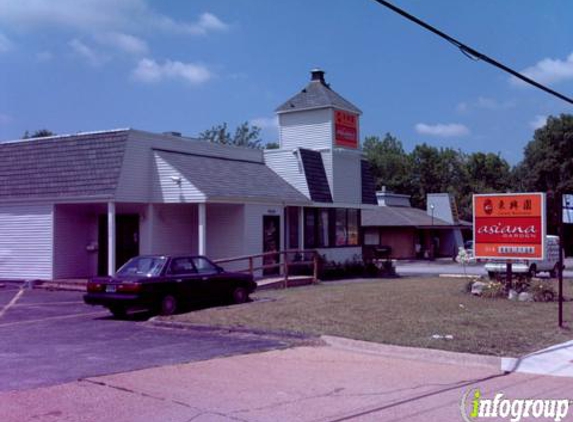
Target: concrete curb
x=468 y=276
x=61 y=287
x=414 y=353
x=157 y=322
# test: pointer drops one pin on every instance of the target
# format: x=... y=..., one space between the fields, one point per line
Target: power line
x=471 y=52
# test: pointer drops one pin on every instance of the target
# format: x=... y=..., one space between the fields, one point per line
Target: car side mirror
x=220 y=269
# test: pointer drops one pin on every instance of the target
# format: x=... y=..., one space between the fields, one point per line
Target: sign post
x=509 y=227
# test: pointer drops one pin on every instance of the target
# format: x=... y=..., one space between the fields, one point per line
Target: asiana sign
x=509 y=226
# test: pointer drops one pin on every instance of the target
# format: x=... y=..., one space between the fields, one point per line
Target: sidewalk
x=307 y=384
x=555 y=360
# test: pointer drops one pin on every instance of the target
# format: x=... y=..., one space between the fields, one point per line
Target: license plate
x=110 y=289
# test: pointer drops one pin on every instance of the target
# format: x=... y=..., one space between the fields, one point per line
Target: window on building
x=309 y=228
x=323 y=228
x=330 y=227
x=292 y=227
x=353 y=232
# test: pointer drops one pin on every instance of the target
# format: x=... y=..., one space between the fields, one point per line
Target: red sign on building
x=345 y=129
x=509 y=226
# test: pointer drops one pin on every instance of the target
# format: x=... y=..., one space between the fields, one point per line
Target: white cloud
x=124 y=42
x=485 y=103
x=87 y=53
x=266 y=122
x=548 y=71
x=5 y=44
x=444 y=130
x=99 y=15
x=149 y=71
x=538 y=122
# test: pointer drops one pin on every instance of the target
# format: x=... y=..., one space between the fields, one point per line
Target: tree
x=390 y=164
x=40 y=133
x=272 y=145
x=547 y=164
x=245 y=135
x=488 y=173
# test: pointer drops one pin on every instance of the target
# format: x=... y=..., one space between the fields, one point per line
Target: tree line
x=547 y=166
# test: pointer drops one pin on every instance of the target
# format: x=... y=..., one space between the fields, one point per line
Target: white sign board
x=568 y=209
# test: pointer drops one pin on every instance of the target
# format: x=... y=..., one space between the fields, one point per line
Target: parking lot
x=53 y=337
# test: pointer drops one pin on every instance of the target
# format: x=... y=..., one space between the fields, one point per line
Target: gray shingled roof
x=368 y=184
x=221 y=178
x=317 y=94
x=315 y=174
x=400 y=216
x=80 y=165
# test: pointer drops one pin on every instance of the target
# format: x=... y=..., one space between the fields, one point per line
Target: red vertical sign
x=345 y=129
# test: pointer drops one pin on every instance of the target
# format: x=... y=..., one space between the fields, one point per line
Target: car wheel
x=240 y=295
x=532 y=271
x=118 y=312
x=168 y=305
x=491 y=275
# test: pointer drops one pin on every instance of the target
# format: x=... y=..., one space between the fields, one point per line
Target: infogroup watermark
x=475 y=407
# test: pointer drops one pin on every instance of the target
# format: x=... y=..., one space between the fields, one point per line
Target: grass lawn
x=406 y=311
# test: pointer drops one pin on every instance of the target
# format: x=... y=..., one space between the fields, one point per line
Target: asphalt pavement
x=49 y=338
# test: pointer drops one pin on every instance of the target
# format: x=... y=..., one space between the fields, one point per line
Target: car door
x=183 y=279
x=212 y=282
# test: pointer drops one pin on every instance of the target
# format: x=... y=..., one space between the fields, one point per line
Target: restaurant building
x=74 y=206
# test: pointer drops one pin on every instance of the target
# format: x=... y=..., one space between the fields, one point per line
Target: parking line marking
x=12 y=302
x=33 y=321
x=38 y=304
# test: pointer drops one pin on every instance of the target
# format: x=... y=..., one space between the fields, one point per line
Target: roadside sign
x=509 y=226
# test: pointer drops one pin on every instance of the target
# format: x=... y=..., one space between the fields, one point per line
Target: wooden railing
x=284 y=261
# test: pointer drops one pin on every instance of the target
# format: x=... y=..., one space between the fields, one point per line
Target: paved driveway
x=53 y=337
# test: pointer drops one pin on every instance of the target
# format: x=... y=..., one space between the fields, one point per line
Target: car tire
x=168 y=305
x=554 y=273
x=491 y=275
x=532 y=271
x=240 y=295
x=118 y=312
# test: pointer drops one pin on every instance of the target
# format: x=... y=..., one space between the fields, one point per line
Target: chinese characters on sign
x=509 y=226
x=346 y=129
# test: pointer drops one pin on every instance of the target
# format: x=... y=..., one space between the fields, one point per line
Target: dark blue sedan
x=167 y=284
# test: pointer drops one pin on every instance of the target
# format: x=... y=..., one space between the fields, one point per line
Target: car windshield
x=149 y=266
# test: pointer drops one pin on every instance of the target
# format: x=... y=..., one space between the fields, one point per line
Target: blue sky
x=83 y=65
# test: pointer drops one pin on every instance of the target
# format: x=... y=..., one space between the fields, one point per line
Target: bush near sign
x=509 y=226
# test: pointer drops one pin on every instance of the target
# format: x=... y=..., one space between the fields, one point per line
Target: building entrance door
x=271 y=242
x=126 y=240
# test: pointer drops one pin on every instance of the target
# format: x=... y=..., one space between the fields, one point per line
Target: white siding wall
x=74 y=229
x=174 y=229
x=225 y=230
x=287 y=165
x=310 y=129
x=26 y=248
x=165 y=189
x=341 y=254
x=347 y=178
